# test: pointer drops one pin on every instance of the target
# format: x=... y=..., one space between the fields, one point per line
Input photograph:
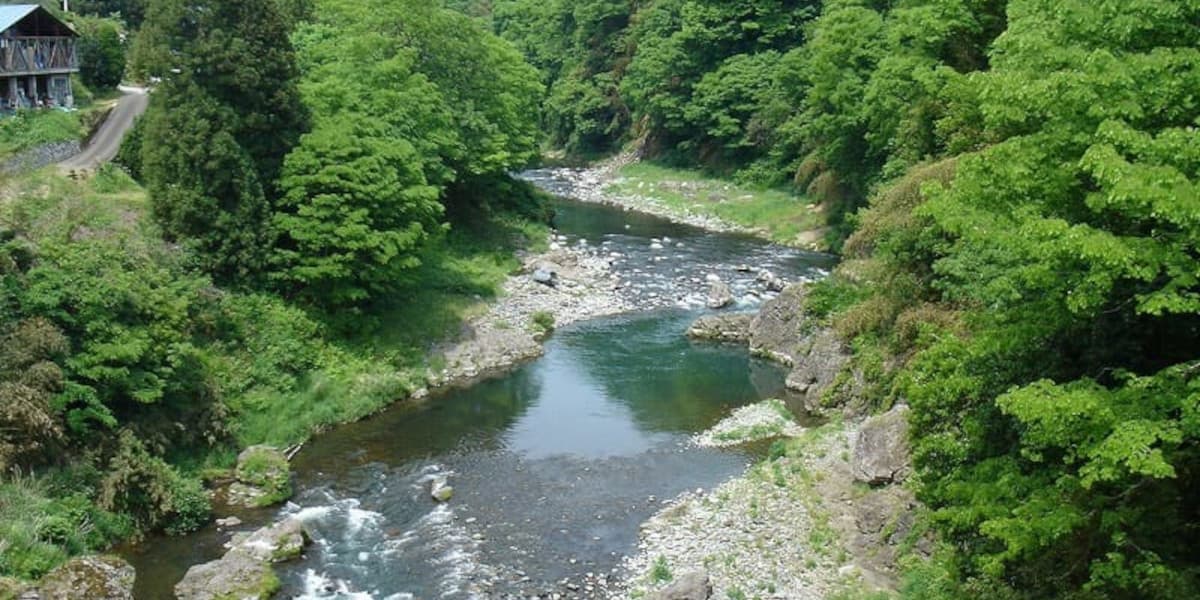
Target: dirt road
x=107 y=141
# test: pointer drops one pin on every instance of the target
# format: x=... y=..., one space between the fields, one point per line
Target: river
x=555 y=465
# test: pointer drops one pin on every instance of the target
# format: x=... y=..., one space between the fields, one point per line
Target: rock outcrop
x=245 y=571
x=91 y=577
x=689 y=586
x=780 y=329
x=883 y=521
x=722 y=328
x=821 y=358
x=782 y=332
x=881 y=454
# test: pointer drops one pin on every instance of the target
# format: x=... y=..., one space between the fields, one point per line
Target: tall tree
x=230 y=91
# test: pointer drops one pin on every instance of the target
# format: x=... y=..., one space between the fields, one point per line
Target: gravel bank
x=590 y=185
x=581 y=286
x=776 y=532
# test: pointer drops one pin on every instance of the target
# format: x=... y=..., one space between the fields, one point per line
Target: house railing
x=33 y=55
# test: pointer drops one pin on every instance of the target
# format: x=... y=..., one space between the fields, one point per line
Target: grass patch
x=779 y=215
x=660 y=572
x=27 y=129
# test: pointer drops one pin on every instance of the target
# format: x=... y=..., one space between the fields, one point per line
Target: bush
x=152 y=492
x=543 y=322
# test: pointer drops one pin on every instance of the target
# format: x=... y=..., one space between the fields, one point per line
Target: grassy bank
x=191 y=372
x=778 y=215
x=27 y=129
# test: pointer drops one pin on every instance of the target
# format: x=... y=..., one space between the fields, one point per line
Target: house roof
x=11 y=14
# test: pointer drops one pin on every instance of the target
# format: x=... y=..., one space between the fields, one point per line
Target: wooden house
x=37 y=57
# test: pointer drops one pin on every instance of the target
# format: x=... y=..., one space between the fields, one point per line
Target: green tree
x=101 y=53
x=355 y=211
x=217 y=131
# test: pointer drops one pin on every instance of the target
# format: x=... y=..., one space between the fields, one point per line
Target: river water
x=555 y=465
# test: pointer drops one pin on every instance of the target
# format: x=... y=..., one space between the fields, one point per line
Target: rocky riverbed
x=555 y=288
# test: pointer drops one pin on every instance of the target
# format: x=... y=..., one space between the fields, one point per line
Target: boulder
x=92 y=577
x=689 y=586
x=817 y=367
x=771 y=281
x=236 y=576
x=545 y=276
x=881 y=453
x=263 y=477
x=245 y=570
x=719 y=295
x=440 y=489
x=722 y=328
x=781 y=329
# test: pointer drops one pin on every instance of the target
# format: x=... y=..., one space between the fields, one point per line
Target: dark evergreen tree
x=218 y=129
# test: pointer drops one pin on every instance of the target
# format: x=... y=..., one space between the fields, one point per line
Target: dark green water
x=554 y=466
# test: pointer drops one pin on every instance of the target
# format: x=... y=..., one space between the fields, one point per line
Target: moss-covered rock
x=93 y=577
x=245 y=571
x=264 y=477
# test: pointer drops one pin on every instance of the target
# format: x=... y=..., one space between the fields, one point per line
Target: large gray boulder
x=822 y=356
x=780 y=330
x=689 y=586
x=722 y=328
x=91 y=577
x=245 y=570
x=881 y=454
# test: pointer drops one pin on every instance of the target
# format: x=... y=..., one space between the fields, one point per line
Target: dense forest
x=1012 y=185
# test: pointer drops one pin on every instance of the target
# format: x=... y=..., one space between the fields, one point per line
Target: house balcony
x=37 y=56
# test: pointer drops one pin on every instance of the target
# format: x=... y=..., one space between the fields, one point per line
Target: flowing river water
x=555 y=465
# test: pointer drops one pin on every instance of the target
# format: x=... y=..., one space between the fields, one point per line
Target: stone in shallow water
x=245 y=571
x=722 y=328
x=719 y=295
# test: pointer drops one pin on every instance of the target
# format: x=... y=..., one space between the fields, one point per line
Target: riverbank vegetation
x=775 y=214
x=301 y=226
x=1015 y=185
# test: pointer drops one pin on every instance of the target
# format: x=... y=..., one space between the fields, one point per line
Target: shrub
x=543 y=322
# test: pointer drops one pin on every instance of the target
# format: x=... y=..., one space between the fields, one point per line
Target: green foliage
x=359 y=211
x=29 y=378
x=27 y=129
x=543 y=322
x=101 y=52
x=218 y=128
x=129 y=156
x=42 y=525
x=154 y=494
x=580 y=48
x=130 y=11
x=1040 y=293
x=660 y=571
